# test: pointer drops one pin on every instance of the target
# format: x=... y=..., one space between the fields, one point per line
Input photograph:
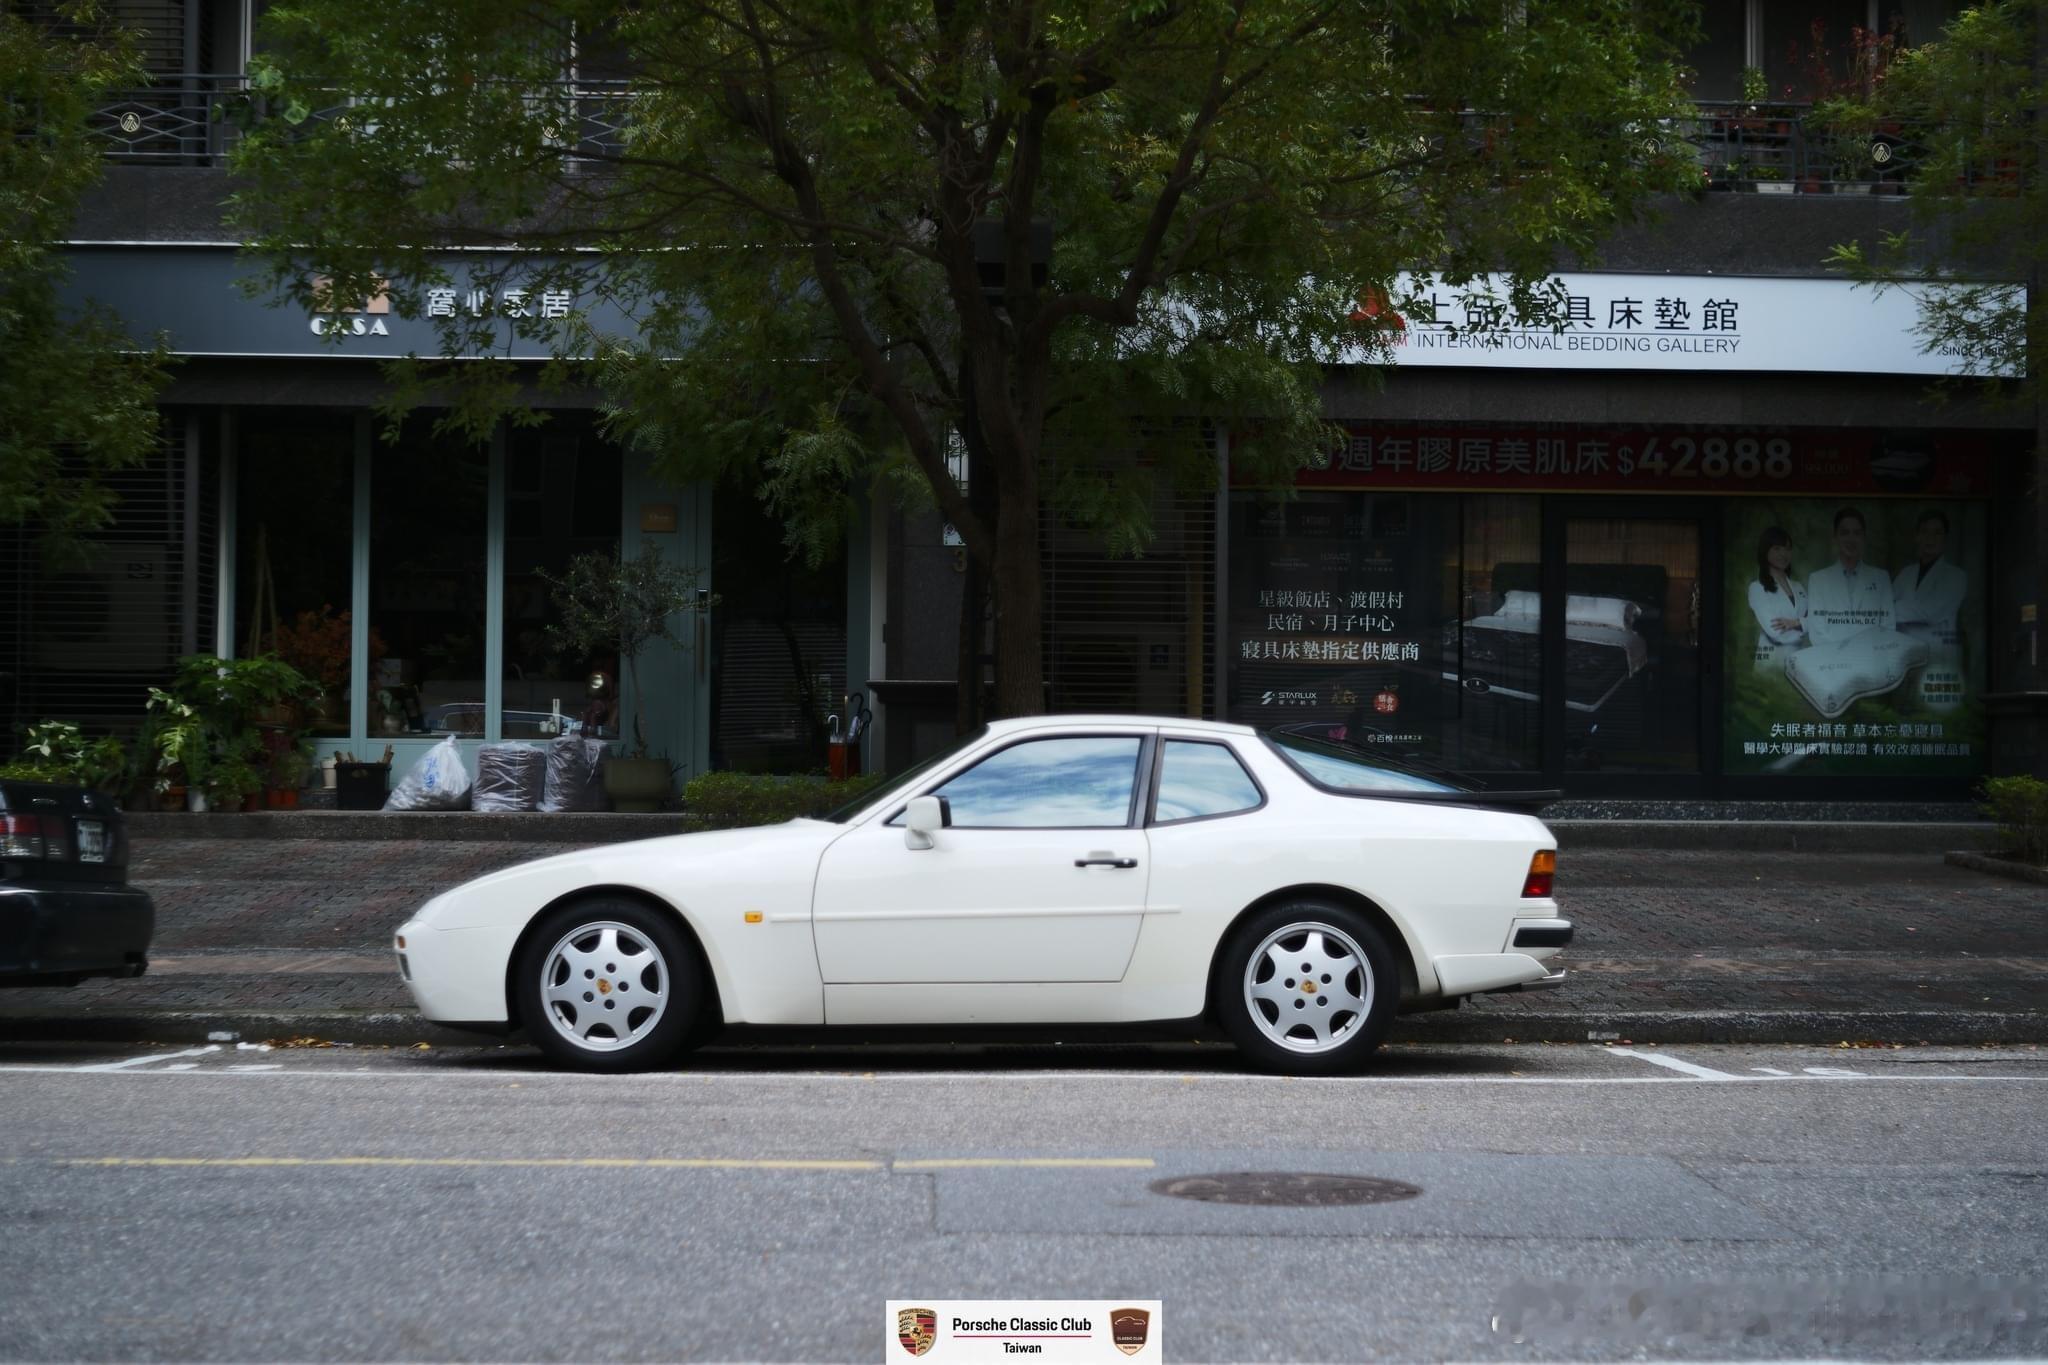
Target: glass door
x=1633 y=682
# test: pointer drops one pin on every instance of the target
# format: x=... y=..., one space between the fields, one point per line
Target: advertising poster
x=1855 y=637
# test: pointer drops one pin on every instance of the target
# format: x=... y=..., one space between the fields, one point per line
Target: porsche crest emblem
x=917 y=1329
x=1128 y=1328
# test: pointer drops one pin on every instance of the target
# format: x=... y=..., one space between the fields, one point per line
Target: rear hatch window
x=1350 y=770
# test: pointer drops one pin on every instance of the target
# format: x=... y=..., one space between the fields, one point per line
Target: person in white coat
x=1848 y=595
x=1929 y=592
x=1776 y=599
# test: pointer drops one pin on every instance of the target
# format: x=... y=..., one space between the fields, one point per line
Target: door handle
x=1104 y=860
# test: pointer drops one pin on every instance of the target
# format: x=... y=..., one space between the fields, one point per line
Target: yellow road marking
x=689 y=1163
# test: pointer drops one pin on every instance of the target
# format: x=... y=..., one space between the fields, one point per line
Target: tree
x=825 y=215
x=77 y=398
x=1972 y=108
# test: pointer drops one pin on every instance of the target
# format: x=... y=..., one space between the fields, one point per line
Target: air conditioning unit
x=116 y=613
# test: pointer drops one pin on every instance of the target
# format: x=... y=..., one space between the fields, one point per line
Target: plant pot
x=195 y=801
x=281 y=798
x=1774 y=187
x=252 y=802
x=1853 y=187
x=636 y=784
x=170 y=799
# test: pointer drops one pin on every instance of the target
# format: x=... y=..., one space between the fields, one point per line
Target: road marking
x=258 y=1066
x=1770 y=1071
x=1832 y=1072
x=182 y=1066
x=690 y=1163
x=971 y=1163
x=1703 y=1073
x=153 y=1057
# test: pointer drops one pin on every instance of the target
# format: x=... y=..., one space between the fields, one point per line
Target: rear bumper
x=60 y=935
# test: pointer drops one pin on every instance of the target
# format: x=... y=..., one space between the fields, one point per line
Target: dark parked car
x=66 y=910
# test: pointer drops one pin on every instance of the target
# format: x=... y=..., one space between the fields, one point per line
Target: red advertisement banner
x=1642 y=460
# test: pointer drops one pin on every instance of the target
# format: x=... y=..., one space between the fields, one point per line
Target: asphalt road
x=1575 y=1202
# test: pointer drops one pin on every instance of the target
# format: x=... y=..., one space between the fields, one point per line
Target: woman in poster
x=1776 y=599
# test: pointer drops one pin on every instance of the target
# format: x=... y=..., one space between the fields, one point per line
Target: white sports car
x=1055 y=870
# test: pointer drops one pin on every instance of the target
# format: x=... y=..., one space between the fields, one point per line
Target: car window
x=1349 y=770
x=1198 y=778
x=1067 y=782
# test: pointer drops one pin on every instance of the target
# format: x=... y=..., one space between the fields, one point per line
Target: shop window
x=1716 y=58
x=778 y=644
x=428 y=577
x=1631 y=644
x=1396 y=622
x=295 y=500
x=562 y=499
x=1855 y=638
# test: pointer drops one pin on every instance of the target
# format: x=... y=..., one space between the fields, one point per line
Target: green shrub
x=2020 y=806
x=57 y=751
x=737 y=800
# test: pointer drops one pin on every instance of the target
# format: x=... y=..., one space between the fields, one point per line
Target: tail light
x=1542 y=872
x=21 y=836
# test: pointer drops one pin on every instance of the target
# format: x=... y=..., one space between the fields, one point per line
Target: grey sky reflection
x=1048 y=782
x=1202 y=779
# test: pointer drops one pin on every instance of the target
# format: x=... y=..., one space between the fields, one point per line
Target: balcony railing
x=192 y=120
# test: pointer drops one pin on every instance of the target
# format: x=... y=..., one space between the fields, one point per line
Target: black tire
x=1353 y=1004
x=641 y=1038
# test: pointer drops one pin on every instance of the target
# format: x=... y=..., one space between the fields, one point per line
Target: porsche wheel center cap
x=1308 y=988
x=604 y=987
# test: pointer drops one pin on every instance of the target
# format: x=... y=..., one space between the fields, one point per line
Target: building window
x=295 y=539
x=562 y=499
x=429 y=563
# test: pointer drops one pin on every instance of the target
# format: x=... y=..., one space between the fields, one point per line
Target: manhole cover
x=1284 y=1189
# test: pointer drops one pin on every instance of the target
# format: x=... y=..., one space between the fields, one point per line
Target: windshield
x=1351 y=769
x=893 y=788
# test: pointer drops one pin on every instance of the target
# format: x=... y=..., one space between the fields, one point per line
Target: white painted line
x=266 y=1066
x=1704 y=1073
x=1770 y=1071
x=182 y=1066
x=153 y=1057
x=1832 y=1072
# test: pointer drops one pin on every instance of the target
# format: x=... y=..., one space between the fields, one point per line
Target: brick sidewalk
x=301 y=926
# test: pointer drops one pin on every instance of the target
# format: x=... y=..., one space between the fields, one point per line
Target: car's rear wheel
x=1307 y=987
x=608 y=984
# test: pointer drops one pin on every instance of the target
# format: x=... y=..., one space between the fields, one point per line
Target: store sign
x=1694 y=323
x=194 y=297
x=1640 y=460
x=1855 y=638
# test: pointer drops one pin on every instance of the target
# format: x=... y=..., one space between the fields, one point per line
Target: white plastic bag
x=438 y=781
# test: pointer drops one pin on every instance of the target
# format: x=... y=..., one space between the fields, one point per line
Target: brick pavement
x=302 y=925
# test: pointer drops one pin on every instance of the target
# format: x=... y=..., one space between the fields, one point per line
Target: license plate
x=92 y=841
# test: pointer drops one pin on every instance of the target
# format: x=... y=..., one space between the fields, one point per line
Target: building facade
x=1710 y=539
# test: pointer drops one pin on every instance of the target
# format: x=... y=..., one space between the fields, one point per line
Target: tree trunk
x=1020 y=606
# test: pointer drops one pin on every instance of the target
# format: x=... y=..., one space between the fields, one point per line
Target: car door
x=1040 y=876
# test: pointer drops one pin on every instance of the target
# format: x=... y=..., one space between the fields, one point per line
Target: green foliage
x=1969 y=109
x=2020 y=806
x=204 y=729
x=77 y=398
x=736 y=800
x=58 y=751
x=793 y=216
x=610 y=602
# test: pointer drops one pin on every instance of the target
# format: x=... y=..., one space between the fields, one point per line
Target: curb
x=1998 y=867
x=1761 y=836
x=403 y=1028
x=1726 y=1026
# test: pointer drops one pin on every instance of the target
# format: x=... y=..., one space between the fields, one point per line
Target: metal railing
x=192 y=120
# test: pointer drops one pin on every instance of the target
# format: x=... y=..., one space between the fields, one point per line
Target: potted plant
x=609 y=602
x=58 y=751
x=208 y=724
x=178 y=737
x=288 y=771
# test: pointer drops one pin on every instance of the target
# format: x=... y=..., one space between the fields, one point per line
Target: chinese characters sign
x=1608 y=459
x=1664 y=322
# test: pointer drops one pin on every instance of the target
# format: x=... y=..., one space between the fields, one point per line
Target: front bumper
x=457 y=976
x=61 y=934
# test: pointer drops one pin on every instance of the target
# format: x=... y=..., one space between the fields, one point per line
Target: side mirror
x=924 y=817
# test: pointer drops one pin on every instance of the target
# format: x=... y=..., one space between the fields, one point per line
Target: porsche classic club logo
x=917 y=1329
x=1128 y=1328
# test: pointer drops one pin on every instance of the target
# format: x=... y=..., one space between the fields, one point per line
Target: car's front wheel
x=608 y=984
x=1308 y=988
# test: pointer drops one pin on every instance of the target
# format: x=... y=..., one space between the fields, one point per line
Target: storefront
x=1686 y=609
